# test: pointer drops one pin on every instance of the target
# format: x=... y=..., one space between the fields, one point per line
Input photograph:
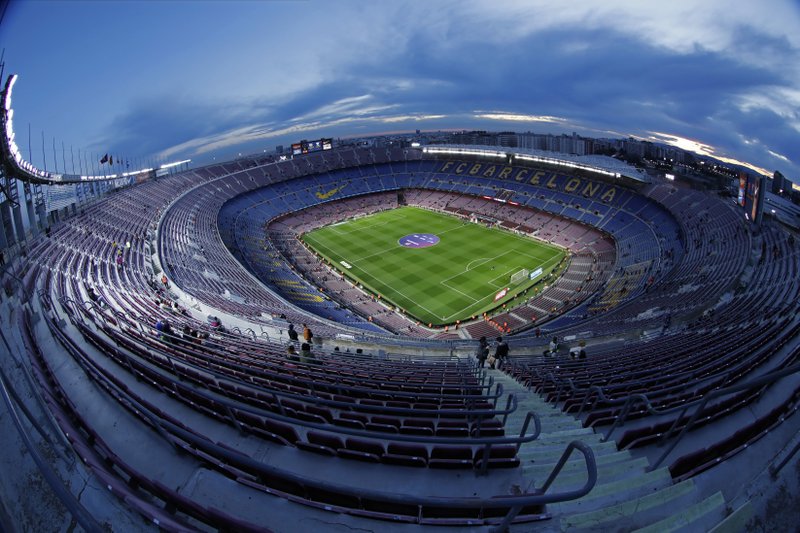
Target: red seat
x=500 y=456
x=401 y=453
x=363 y=450
x=451 y=457
x=322 y=443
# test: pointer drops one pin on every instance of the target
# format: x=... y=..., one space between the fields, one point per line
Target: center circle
x=419 y=240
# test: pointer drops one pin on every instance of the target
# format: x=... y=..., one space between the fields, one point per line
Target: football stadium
x=294 y=342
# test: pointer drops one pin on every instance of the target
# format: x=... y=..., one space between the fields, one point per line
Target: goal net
x=520 y=276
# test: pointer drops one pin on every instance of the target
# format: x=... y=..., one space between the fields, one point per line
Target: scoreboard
x=751 y=196
x=307 y=147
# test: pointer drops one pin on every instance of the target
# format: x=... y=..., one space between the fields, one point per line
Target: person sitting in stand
x=553 y=347
x=292 y=353
x=305 y=352
x=165 y=331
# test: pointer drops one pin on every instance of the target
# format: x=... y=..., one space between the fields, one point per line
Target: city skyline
x=205 y=80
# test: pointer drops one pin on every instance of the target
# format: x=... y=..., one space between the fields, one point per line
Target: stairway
x=626 y=496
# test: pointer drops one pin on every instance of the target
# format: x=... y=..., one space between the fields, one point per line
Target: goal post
x=519 y=277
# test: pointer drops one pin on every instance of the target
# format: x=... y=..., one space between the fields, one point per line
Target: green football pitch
x=460 y=276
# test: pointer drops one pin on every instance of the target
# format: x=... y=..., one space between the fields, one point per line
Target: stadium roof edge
x=26 y=171
x=600 y=164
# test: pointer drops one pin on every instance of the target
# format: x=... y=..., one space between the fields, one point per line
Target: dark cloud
x=596 y=79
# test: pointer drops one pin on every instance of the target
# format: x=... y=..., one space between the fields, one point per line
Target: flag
x=104 y=159
x=111 y=160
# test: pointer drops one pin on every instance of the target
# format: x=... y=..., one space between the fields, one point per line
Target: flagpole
x=72 y=155
x=64 y=158
x=44 y=154
x=55 y=156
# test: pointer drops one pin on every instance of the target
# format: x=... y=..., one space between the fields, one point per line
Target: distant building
x=779 y=184
x=507 y=138
x=633 y=148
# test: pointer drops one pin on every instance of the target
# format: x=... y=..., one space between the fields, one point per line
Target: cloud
x=779 y=156
x=782 y=101
x=516 y=117
x=702 y=149
x=260 y=132
x=351 y=105
x=679 y=26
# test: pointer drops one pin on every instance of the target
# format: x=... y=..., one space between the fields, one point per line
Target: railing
x=701 y=403
x=629 y=402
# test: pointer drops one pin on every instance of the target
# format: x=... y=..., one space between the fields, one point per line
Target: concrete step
x=555 y=438
x=550 y=451
x=736 y=522
x=549 y=424
x=568 y=432
x=575 y=464
x=634 y=512
x=605 y=474
x=620 y=491
x=525 y=404
x=606 y=458
x=544 y=415
x=698 y=517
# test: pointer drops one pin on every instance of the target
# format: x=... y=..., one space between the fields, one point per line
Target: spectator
x=165 y=331
x=187 y=335
x=553 y=347
x=500 y=352
x=165 y=281
x=91 y=293
x=305 y=353
x=292 y=353
x=292 y=333
x=96 y=297
x=482 y=353
x=307 y=335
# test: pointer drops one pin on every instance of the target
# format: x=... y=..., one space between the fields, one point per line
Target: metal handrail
x=762 y=380
x=629 y=401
